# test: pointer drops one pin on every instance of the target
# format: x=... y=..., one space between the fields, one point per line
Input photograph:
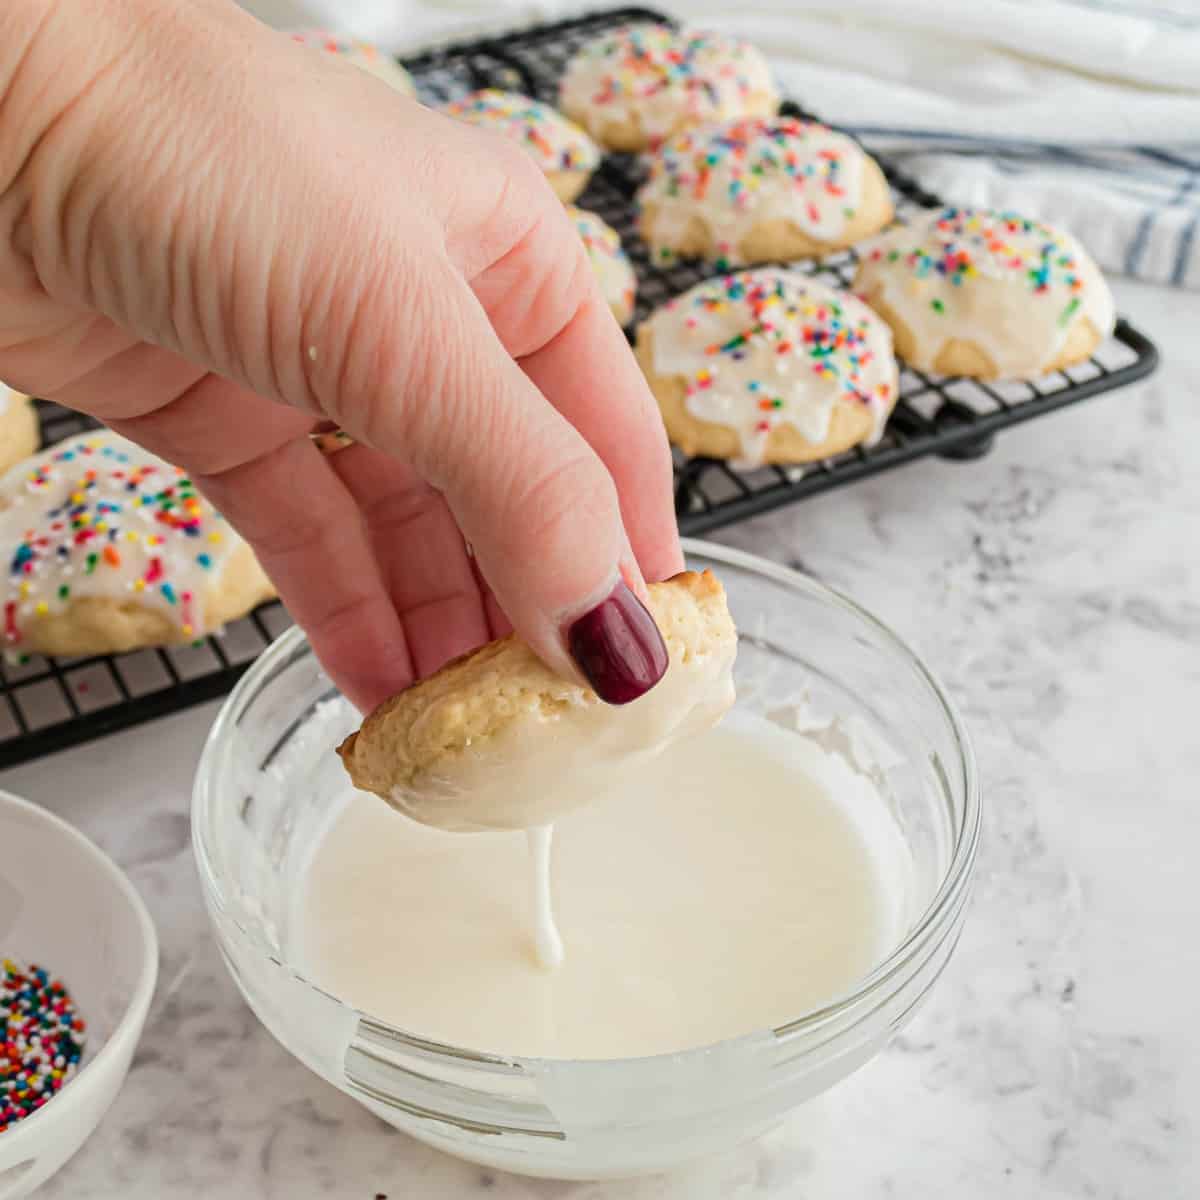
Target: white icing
x=546 y=939
x=1014 y=287
x=736 y=176
x=610 y=264
x=763 y=348
x=96 y=515
x=659 y=76
x=553 y=142
x=737 y=882
x=7 y=396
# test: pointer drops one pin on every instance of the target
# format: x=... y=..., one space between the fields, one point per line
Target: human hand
x=217 y=241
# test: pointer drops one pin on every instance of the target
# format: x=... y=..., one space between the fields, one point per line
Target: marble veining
x=1055 y=586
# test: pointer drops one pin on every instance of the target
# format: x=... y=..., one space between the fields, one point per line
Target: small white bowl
x=66 y=906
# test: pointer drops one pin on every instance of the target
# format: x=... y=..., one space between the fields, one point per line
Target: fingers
x=537 y=505
x=422 y=557
x=279 y=492
x=547 y=310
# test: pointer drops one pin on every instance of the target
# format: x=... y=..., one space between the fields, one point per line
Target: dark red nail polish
x=618 y=647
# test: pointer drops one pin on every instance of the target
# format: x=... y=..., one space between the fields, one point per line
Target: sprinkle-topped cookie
x=96 y=517
x=555 y=144
x=361 y=54
x=762 y=349
x=614 y=271
x=640 y=83
x=1018 y=291
x=719 y=183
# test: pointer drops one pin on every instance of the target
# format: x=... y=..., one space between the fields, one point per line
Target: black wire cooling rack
x=49 y=704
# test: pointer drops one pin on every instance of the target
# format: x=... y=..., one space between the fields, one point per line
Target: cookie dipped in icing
x=769 y=366
x=990 y=294
x=564 y=152
x=638 y=84
x=760 y=190
x=362 y=54
x=610 y=264
x=109 y=548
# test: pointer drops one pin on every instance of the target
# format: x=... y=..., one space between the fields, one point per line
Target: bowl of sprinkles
x=78 y=963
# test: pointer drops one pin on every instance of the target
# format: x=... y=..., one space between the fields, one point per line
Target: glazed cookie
x=639 y=84
x=564 y=152
x=456 y=749
x=768 y=366
x=361 y=54
x=761 y=190
x=614 y=271
x=19 y=433
x=110 y=549
x=988 y=294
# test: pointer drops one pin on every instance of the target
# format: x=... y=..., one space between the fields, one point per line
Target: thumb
x=538 y=507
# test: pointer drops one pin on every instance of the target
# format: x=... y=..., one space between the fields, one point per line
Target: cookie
x=614 y=271
x=768 y=366
x=361 y=54
x=988 y=294
x=460 y=749
x=760 y=190
x=566 y=155
x=19 y=432
x=111 y=549
x=638 y=84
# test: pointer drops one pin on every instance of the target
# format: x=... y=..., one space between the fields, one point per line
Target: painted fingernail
x=618 y=647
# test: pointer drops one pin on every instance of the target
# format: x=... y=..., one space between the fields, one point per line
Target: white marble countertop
x=1055 y=585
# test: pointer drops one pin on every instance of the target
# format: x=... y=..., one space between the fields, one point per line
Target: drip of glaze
x=546 y=939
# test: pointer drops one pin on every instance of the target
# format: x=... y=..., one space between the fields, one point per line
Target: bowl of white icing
x=745 y=920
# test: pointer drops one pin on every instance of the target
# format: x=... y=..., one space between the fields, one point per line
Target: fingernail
x=618 y=647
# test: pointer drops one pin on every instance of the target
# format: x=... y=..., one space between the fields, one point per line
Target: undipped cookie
x=19 y=433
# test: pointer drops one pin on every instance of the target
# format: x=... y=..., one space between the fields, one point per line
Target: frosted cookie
x=989 y=294
x=110 y=549
x=19 y=433
x=564 y=152
x=361 y=54
x=768 y=366
x=761 y=190
x=641 y=83
x=614 y=271
x=496 y=740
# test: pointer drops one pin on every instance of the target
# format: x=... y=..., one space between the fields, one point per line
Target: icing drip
x=658 y=74
x=555 y=143
x=736 y=175
x=609 y=261
x=763 y=348
x=1013 y=286
x=98 y=516
x=546 y=939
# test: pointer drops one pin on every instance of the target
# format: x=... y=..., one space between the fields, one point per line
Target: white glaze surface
x=97 y=516
x=610 y=263
x=1053 y=586
x=735 y=176
x=658 y=75
x=1013 y=287
x=769 y=347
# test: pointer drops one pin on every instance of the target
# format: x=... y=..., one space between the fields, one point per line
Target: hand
x=215 y=240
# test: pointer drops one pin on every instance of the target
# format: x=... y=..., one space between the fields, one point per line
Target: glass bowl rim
x=950 y=895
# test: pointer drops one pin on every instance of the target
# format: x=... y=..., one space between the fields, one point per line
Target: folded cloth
x=1085 y=113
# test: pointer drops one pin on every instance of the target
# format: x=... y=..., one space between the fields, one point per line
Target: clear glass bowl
x=261 y=804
